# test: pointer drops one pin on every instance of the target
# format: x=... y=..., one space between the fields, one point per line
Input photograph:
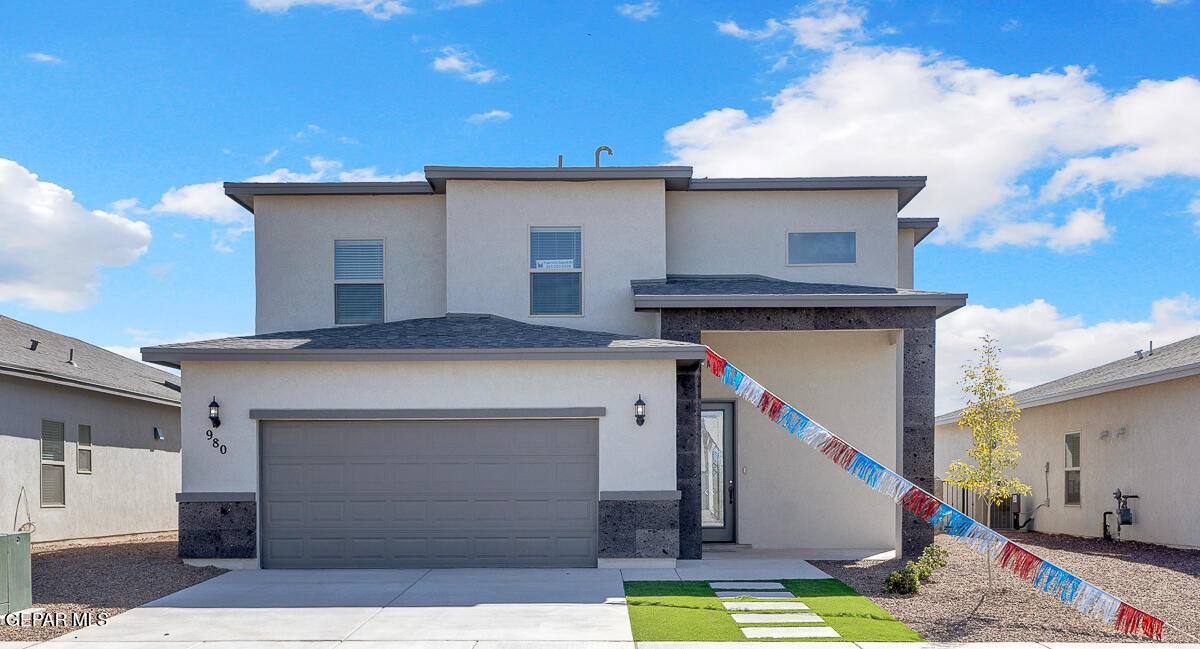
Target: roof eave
x=173 y=356
x=1149 y=378
x=921 y=226
x=944 y=302
x=243 y=193
x=675 y=177
x=57 y=379
x=907 y=187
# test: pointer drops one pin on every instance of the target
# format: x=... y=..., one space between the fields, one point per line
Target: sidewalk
x=551 y=644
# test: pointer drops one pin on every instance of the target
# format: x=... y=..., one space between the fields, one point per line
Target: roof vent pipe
x=560 y=161
x=71 y=356
x=598 y=150
x=33 y=345
x=1151 y=348
x=1139 y=354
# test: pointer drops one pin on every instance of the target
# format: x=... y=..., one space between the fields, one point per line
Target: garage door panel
x=429 y=494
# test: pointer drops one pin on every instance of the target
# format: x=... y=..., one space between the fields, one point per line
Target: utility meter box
x=16 y=592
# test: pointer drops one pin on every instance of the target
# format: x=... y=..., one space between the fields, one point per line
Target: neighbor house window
x=555 y=271
x=83 y=450
x=54 y=469
x=358 y=281
x=820 y=248
x=1072 y=469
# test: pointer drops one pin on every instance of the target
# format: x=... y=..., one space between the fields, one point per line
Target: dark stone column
x=218 y=530
x=639 y=528
x=918 y=428
x=687 y=460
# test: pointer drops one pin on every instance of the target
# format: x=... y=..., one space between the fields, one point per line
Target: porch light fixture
x=214 y=413
x=639 y=411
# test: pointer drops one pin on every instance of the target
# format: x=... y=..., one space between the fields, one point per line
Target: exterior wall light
x=639 y=411
x=214 y=413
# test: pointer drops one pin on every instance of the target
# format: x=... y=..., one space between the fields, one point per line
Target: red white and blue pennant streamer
x=1085 y=597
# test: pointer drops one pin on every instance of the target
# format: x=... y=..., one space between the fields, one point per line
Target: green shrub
x=935 y=555
x=908 y=580
x=904 y=581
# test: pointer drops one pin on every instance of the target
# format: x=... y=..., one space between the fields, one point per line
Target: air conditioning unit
x=16 y=593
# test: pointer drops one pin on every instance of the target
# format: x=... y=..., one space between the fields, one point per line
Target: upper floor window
x=1071 y=487
x=358 y=281
x=555 y=271
x=820 y=248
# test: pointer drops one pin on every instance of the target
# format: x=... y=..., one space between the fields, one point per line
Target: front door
x=717 y=471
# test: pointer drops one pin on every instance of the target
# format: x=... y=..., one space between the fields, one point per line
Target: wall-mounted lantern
x=214 y=413
x=639 y=411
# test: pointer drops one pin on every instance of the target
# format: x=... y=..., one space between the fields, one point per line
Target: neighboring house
x=89 y=439
x=429 y=385
x=1132 y=425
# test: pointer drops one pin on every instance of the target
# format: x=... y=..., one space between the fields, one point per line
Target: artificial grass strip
x=690 y=611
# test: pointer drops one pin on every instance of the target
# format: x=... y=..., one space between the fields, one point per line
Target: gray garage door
x=401 y=494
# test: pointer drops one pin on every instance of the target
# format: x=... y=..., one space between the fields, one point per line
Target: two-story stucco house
x=501 y=367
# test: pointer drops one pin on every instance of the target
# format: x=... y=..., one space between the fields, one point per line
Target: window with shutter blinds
x=83 y=450
x=53 y=475
x=1072 y=484
x=556 y=270
x=358 y=276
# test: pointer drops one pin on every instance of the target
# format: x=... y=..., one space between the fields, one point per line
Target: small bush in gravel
x=904 y=582
x=933 y=557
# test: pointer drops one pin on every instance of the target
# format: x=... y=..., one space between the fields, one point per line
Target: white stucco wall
x=293 y=248
x=714 y=233
x=631 y=457
x=134 y=478
x=789 y=495
x=1154 y=460
x=487 y=243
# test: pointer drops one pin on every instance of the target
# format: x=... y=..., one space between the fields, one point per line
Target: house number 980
x=216 y=442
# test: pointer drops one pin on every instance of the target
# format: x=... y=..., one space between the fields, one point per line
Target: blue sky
x=1062 y=141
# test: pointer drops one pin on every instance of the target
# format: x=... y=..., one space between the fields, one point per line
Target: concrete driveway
x=456 y=608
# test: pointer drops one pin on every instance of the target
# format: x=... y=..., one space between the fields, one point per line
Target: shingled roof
x=90 y=367
x=1173 y=361
x=450 y=337
x=732 y=291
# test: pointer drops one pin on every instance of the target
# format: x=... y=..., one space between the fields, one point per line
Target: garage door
x=403 y=494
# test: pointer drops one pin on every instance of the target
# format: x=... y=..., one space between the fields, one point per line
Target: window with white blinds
x=83 y=450
x=54 y=469
x=556 y=270
x=358 y=281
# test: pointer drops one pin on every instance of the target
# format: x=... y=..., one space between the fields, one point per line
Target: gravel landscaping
x=95 y=577
x=954 y=605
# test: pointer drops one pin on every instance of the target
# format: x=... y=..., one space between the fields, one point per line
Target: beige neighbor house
x=500 y=366
x=89 y=439
x=1131 y=425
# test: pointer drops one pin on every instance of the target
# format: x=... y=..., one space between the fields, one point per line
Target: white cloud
x=1039 y=344
x=160 y=270
x=52 y=246
x=975 y=132
x=821 y=25
x=270 y=156
x=379 y=9
x=1081 y=228
x=1155 y=131
x=490 y=116
x=207 y=201
x=465 y=65
x=42 y=57
x=1194 y=208
x=640 y=10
